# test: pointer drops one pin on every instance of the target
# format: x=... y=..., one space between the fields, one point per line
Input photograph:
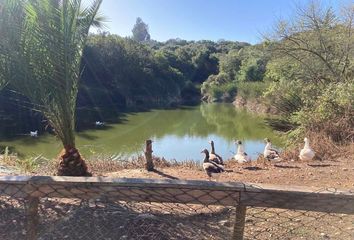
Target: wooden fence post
x=32 y=217
x=148 y=156
x=239 y=225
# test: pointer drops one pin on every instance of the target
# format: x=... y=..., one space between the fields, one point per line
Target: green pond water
x=179 y=134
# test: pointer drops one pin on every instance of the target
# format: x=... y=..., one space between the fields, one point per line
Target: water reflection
x=177 y=133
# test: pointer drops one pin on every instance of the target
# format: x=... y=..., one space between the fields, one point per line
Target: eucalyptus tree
x=43 y=61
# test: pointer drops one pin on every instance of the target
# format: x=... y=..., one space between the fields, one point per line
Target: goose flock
x=213 y=164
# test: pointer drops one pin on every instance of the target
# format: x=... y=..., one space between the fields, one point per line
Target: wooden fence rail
x=241 y=195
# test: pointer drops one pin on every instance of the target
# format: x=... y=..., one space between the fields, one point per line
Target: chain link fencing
x=102 y=208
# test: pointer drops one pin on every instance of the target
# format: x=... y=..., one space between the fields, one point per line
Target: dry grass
x=8 y=159
x=100 y=164
x=107 y=164
x=325 y=147
x=25 y=165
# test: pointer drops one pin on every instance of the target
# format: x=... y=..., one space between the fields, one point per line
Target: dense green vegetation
x=148 y=73
x=239 y=71
x=312 y=72
x=304 y=69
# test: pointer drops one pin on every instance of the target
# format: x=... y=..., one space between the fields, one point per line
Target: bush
x=251 y=90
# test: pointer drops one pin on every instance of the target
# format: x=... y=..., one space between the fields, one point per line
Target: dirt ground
x=337 y=172
x=322 y=174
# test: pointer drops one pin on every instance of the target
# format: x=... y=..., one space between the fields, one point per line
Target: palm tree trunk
x=71 y=163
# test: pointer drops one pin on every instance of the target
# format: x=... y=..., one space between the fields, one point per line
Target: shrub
x=251 y=90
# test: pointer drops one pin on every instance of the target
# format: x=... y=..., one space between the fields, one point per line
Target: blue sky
x=241 y=20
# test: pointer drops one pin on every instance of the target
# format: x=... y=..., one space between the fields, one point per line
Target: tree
x=43 y=52
x=141 y=31
x=312 y=67
x=230 y=63
x=321 y=42
x=252 y=69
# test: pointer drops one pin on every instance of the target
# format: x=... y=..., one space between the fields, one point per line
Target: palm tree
x=44 y=60
x=4 y=17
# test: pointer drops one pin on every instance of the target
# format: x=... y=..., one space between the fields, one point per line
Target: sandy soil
x=321 y=174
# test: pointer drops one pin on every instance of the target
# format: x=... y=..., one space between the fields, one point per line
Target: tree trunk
x=71 y=163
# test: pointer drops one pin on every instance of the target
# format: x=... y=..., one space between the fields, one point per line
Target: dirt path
x=329 y=174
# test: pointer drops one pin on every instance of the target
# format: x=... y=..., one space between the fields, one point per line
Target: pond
x=180 y=134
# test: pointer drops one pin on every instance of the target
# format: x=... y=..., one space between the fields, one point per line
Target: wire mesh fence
x=101 y=208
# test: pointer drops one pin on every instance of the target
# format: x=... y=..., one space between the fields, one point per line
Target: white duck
x=34 y=134
x=269 y=152
x=212 y=169
x=241 y=156
x=213 y=156
x=306 y=154
x=98 y=123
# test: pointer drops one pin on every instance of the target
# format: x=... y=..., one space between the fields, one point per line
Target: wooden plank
x=298 y=198
x=182 y=191
x=101 y=181
x=253 y=187
x=318 y=202
x=17 y=179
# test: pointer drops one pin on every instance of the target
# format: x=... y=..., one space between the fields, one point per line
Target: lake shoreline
x=320 y=174
x=334 y=172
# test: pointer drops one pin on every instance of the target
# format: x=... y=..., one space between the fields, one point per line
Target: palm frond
x=46 y=50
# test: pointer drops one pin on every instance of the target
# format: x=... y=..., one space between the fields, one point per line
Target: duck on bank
x=213 y=156
x=212 y=169
x=269 y=152
x=306 y=154
x=241 y=156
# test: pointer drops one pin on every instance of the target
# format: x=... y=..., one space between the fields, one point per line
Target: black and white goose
x=213 y=156
x=212 y=169
x=269 y=152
